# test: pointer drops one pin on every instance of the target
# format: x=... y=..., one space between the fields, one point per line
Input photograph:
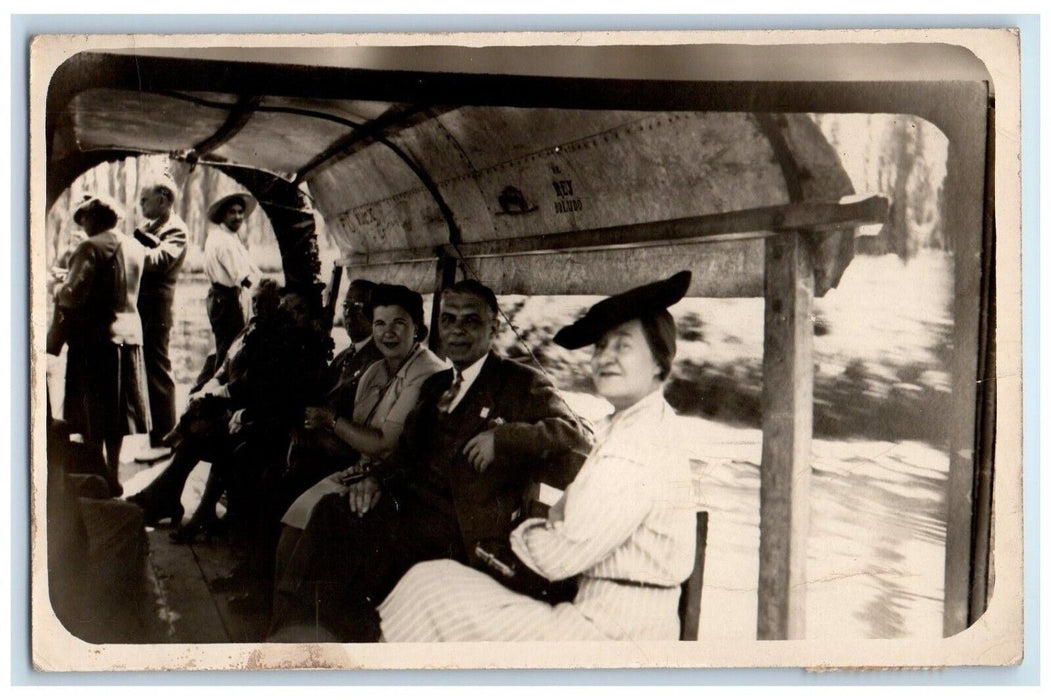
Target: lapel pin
x=484 y=412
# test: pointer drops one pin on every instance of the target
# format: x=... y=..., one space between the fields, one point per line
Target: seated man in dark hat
x=479 y=434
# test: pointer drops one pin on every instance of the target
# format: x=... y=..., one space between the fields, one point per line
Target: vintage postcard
x=611 y=350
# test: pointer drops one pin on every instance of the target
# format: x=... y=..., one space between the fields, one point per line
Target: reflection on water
x=876 y=544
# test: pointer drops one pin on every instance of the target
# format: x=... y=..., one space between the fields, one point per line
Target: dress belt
x=222 y=287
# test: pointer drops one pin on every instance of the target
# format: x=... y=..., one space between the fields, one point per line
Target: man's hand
x=203 y=393
x=481 y=450
x=363 y=495
x=149 y=240
x=319 y=418
x=237 y=421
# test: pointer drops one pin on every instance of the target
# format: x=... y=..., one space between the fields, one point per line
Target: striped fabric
x=628 y=516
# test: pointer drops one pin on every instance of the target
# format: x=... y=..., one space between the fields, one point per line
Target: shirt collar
x=472 y=372
x=648 y=405
x=358 y=346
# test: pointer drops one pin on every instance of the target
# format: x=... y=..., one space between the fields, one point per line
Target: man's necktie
x=446 y=401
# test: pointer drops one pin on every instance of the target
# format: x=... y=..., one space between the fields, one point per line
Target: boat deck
x=193 y=613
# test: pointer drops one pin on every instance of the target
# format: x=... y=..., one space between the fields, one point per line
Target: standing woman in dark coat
x=106 y=394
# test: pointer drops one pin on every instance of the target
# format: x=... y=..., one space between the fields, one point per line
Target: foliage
x=903 y=158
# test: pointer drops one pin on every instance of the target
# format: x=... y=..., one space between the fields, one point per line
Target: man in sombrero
x=229 y=269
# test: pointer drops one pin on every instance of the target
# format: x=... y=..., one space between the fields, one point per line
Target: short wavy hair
x=398 y=295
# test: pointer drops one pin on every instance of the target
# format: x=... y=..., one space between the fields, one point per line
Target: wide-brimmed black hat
x=640 y=302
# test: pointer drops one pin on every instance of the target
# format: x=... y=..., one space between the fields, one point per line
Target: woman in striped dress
x=625 y=527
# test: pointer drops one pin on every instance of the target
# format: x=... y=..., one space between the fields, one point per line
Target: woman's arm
x=375 y=442
x=601 y=510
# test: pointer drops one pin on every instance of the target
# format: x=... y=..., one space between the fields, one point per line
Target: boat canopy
x=535 y=183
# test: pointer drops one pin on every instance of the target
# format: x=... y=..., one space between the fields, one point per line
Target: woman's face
x=265 y=301
x=623 y=367
x=393 y=331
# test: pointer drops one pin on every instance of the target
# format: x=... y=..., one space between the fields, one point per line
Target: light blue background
x=23 y=27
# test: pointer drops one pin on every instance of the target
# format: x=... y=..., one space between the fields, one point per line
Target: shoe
x=153 y=454
x=153 y=514
x=187 y=534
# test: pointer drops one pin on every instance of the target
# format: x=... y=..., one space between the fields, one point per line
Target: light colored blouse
x=381 y=402
x=384 y=403
x=628 y=515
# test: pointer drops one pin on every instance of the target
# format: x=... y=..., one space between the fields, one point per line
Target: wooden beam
x=760 y=222
x=239 y=116
x=392 y=121
x=787 y=407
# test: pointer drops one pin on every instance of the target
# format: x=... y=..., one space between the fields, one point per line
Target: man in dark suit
x=347 y=367
x=480 y=434
x=165 y=236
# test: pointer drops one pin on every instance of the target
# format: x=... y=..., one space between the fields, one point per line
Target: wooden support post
x=788 y=392
x=333 y=293
x=445 y=276
x=967 y=518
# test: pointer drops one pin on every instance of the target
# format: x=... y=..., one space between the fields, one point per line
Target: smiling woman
x=387 y=392
x=624 y=366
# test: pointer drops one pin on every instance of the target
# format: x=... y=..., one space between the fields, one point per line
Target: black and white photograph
x=526 y=351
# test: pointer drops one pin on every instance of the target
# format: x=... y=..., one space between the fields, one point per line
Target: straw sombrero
x=217 y=207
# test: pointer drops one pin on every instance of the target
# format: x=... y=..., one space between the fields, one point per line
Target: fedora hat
x=216 y=209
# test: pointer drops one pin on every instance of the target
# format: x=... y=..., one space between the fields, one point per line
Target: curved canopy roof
x=535 y=184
